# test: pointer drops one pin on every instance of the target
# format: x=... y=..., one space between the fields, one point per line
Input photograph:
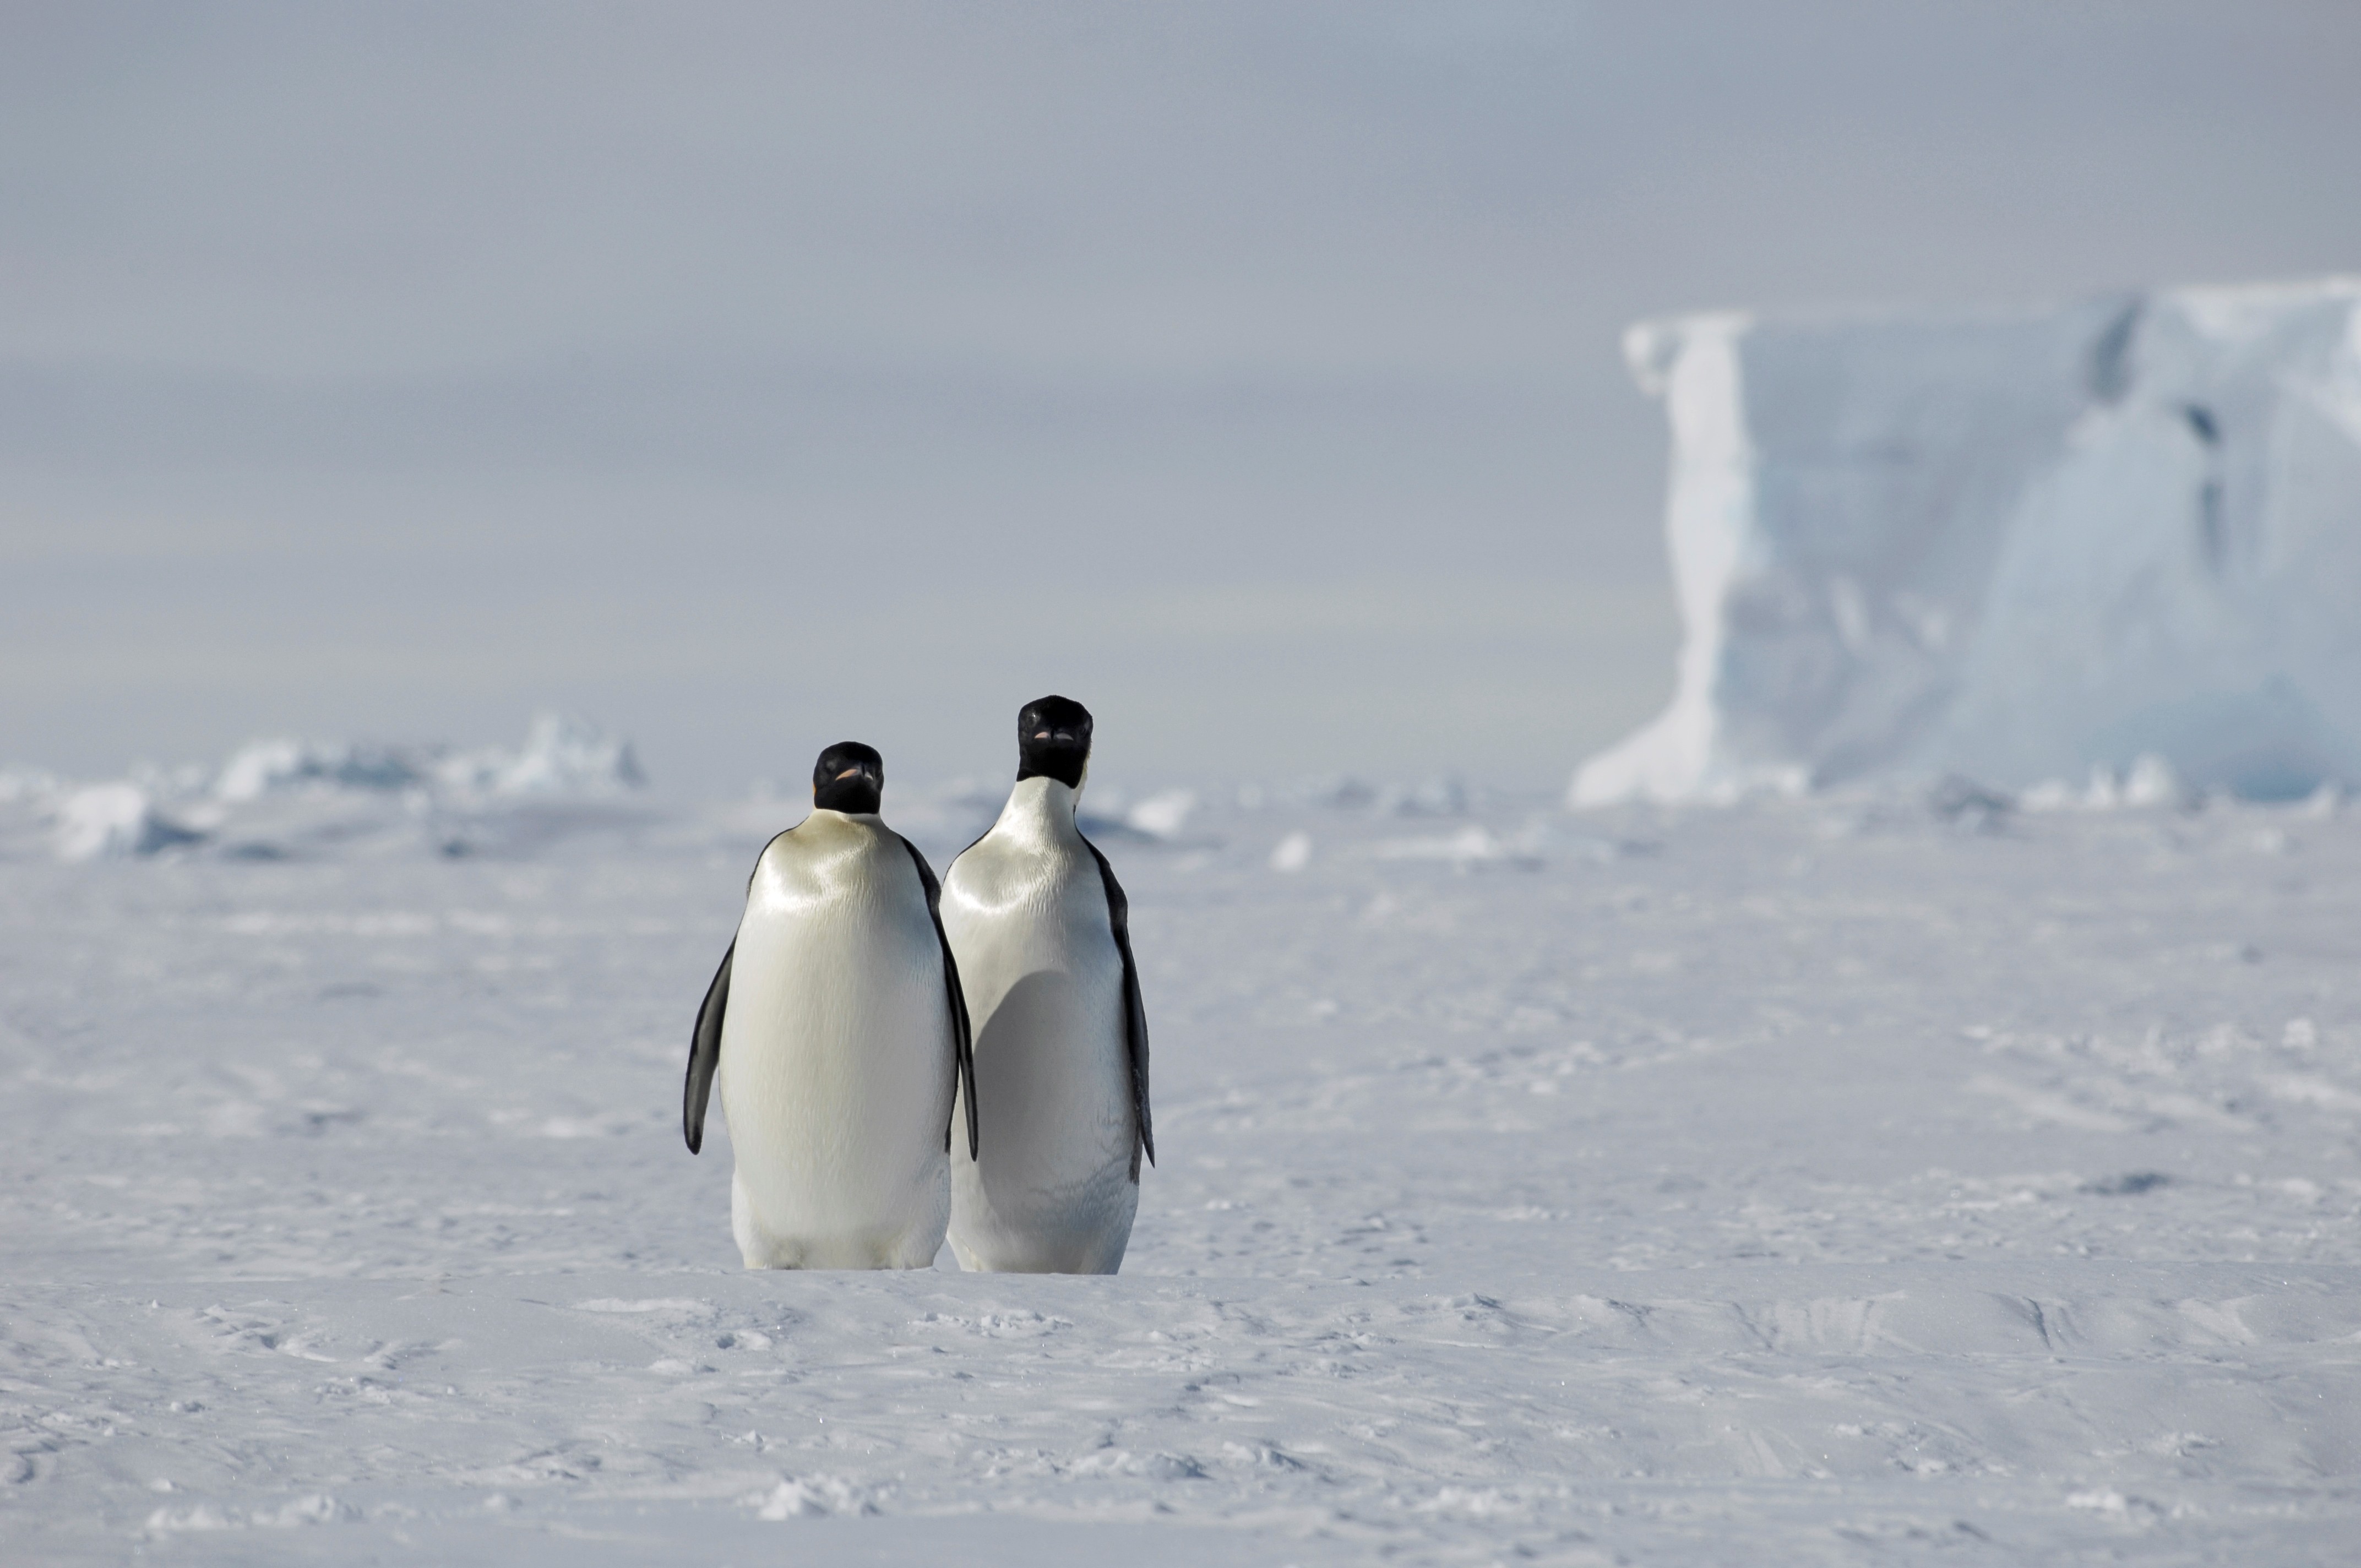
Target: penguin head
x=1053 y=740
x=848 y=777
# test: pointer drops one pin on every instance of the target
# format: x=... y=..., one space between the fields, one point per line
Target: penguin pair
x=865 y=1016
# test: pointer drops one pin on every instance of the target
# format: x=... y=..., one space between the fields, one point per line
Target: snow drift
x=2016 y=546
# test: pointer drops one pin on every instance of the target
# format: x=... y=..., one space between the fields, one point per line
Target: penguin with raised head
x=1042 y=932
x=838 y=1033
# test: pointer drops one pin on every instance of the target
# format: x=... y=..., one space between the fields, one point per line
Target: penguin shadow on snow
x=1033 y=1101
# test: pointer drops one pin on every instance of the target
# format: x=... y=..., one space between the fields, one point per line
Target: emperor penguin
x=1042 y=933
x=837 y=1030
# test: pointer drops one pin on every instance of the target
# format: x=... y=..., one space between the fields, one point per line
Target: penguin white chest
x=837 y=1064
x=1026 y=913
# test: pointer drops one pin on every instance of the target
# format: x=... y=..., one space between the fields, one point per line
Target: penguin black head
x=1053 y=740
x=848 y=777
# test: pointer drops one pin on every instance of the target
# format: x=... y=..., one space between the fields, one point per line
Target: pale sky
x=757 y=377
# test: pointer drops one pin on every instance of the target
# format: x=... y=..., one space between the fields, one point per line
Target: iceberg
x=2012 y=546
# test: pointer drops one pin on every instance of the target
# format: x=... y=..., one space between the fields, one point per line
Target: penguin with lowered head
x=838 y=1034
x=1042 y=933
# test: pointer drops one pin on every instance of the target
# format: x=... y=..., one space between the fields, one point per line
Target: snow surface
x=2011 y=545
x=1827 y=1180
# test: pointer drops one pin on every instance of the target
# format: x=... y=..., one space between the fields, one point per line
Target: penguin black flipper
x=705 y=1053
x=1134 y=1013
x=964 y=1069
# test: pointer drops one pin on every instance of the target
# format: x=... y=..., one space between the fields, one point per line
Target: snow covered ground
x=1827 y=1180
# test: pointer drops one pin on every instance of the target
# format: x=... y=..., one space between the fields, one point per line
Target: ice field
x=1836 y=1180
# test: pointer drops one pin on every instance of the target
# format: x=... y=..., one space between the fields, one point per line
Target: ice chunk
x=2015 y=546
x=1470 y=846
x=812 y=1497
x=264 y=767
x=113 y=819
x=1292 y=853
x=2153 y=782
x=273 y=767
x=564 y=752
x=2149 y=781
x=1162 y=815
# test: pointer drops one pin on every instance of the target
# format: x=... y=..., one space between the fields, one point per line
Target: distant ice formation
x=108 y=821
x=2013 y=546
x=563 y=753
x=1162 y=815
x=275 y=767
x=293 y=782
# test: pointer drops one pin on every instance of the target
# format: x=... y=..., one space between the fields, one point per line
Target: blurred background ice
x=753 y=376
